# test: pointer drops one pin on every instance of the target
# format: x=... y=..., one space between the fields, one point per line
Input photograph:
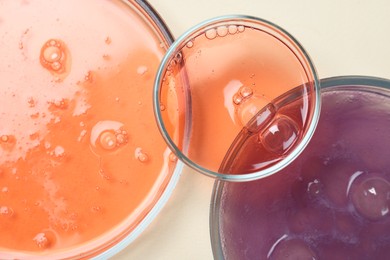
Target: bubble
x=6 y=212
x=246 y=92
x=31 y=102
x=249 y=107
x=88 y=77
x=281 y=135
x=59 y=151
x=162 y=107
x=45 y=239
x=4 y=138
x=241 y=28
x=107 y=136
x=108 y=40
x=211 y=34
x=232 y=29
x=237 y=99
x=222 y=31
x=59 y=103
x=371 y=197
x=141 y=155
x=53 y=56
x=141 y=70
x=291 y=249
x=172 y=157
x=4 y=189
x=190 y=44
x=108 y=140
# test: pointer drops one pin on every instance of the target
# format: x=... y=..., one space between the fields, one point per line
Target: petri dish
x=83 y=167
x=230 y=81
x=332 y=202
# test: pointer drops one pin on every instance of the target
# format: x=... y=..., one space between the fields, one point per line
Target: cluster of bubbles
x=219 y=31
x=53 y=56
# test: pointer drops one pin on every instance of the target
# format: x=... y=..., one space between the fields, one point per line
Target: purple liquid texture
x=333 y=202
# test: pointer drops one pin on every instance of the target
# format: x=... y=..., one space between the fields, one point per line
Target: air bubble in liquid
x=290 y=250
x=141 y=70
x=232 y=29
x=280 y=135
x=172 y=157
x=190 y=44
x=241 y=28
x=211 y=34
x=53 y=56
x=45 y=239
x=249 y=108
x=141 y=155
x=222 y=31
x=107 y=136
x=371 y=197
x=6 y=212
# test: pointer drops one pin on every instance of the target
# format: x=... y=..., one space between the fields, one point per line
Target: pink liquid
x=331 y=203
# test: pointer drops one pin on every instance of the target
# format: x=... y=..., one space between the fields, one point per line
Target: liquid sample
x=331 y=203
x=221 y=78
x=76 y=80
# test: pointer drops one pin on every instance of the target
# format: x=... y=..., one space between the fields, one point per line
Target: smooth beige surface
x=342 y=38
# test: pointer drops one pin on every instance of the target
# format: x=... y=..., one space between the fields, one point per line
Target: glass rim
x=362 y=82
x=253 y=175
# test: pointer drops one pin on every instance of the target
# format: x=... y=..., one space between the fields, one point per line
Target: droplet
x=190 y=44
x=53 y=56
x=371 y=197
x=222 y=31
x=280 y=135
x=141 y=70
x=211 y=34
x=232 y=29
x=4 y=138
x=6 y=212
x=141 y=155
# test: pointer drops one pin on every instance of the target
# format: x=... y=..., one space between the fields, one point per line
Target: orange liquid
x=79 y=149
x=228 y=73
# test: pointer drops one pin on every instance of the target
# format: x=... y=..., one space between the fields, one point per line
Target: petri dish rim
x=193 y=32
x=363 y=83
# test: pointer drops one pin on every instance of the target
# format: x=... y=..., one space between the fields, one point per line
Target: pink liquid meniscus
x=333 y=202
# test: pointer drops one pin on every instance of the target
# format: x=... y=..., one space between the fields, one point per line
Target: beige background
x=342 y=38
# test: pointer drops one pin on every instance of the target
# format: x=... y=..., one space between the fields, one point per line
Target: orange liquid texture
x=79 y=149
x=227 y=74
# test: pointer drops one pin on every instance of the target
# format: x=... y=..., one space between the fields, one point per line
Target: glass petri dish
x=83 y=166
x=332 y=201
x=233 y=80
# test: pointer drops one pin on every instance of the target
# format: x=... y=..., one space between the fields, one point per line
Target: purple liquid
x=333 y=202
